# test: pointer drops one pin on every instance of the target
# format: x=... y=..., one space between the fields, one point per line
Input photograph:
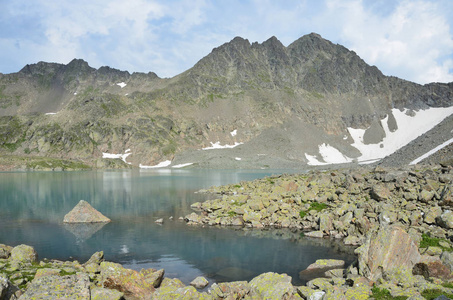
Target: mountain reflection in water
x=34 y=203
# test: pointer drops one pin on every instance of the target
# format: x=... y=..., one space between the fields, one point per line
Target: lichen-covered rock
x=271 y=286
x=83 y=212
x=100 y=293
x=5 y=251
x=445 y=220
x=153 y=276
x=4 y=285
x=230 y=290
x=128 y=281
x=179 y=293
x=96 y=258
x=58 y=287
x=46 y=272
x=387 y=250
x=24 y=254
x=199 y=282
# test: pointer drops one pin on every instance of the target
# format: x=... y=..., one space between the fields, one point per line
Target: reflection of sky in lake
x=34 y=203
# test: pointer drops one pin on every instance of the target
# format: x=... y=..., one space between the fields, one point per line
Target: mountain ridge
x=261 y=90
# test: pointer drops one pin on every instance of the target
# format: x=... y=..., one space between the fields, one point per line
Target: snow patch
x=182 y=165
x=75 y=93
x=121 y=156
x=234 y=132
x=238 y=158
x=218 y=146
x=121 y=84
x=162 y=164
x=48 y=114
x=409 y=128
x=330 y=155
x=431 y=152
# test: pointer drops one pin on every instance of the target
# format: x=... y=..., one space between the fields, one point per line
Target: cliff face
x=293 y=98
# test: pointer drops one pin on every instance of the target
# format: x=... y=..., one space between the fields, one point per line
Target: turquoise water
x=33 y=204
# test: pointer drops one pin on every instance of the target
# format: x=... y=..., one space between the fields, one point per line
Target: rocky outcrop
x=23 y=254
x=83 y=212
x=59 y=287
x=386 y=251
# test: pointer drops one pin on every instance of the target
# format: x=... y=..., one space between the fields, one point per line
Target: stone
x=100 y=293
x=230 y=290
x=96 y=258
x=380 y=193
x=159 y=221
x=83 y=212
x=178 y=293
x=432 y=250
x=352 y=240
x=5 y=251
x=315 y=234
x=335 y=273
x=154 y=277
x=431 y=215
x=447 y=259
x=271 y=286
x=4 y=285
x=326 y=264
x=46 y=272
x=58 y=287
x=323 y=284
x=445 y=220
x=193 y=217
x=387 y=250
x=24 y=254
x=199 y=282
x=130 y=282
x=325 y=223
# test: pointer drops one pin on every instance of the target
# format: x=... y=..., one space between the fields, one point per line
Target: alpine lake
x=33 y=204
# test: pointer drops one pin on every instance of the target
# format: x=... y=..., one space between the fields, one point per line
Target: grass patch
x=434 y=293
x=384 y=294
x=313 y=206
x=232 y=214
x=428 y=241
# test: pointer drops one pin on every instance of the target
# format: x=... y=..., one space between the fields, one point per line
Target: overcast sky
x=409 y=39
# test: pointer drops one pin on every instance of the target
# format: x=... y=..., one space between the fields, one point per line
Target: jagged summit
x=298 y=104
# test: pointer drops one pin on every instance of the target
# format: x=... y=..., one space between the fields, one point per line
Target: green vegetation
x=232 y=213
x=384 y=294
x=313 y=206
x=428 y=241
x=433 y=294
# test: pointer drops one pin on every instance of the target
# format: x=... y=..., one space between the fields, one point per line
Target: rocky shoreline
x=400 y=220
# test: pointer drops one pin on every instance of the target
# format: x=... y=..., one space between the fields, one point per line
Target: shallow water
x=33 y=204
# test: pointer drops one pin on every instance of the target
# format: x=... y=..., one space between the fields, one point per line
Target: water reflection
x=33 y=206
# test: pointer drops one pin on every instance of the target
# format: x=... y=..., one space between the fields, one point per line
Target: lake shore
x=355 y=205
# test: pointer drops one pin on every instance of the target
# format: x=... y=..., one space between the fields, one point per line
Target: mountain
x=255 y=105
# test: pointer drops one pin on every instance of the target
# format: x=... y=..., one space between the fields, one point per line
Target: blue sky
x=409 y=39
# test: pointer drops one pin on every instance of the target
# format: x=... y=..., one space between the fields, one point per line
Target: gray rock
x=83 y=212
x=316 y=234
x=230 y=290
x=99 y=293
x=380 y=193
x=445 y=220
x=24 y=254
x=388 y=250
x=447 y=259
x=199 y=282
x=96 y=258
x=59 y=287
x=4 y=285
x=5 y=251
x=271 y=286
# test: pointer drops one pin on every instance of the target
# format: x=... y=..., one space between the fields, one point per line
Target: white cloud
x=411 y=41
x=408 y=39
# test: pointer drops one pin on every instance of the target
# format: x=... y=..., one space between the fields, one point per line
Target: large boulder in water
x=83 y=212
x=386 y=251
x=24 y=253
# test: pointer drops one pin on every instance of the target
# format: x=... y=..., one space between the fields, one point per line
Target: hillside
x=257 y=105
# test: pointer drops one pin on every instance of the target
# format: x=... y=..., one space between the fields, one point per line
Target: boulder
x=59 y=287
x=271 y=286
x=445 y=220
x=4 y=285
x=130 y=282
x=24 y=253
x=100 y=293
x=96 y=258
x=380 y=193
x=83 y=212
x=230 y=290
x=385 y=251
x=199 y=282
x=5 y=251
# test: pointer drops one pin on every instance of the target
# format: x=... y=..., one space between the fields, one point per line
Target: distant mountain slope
x=312 y=102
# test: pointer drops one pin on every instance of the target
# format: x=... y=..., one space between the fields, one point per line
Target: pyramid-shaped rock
x=83 y=212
